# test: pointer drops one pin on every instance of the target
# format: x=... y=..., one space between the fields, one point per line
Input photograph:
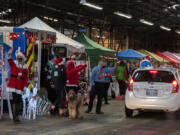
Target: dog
x=75 y=105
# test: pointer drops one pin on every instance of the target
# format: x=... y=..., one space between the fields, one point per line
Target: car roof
x=170 y=69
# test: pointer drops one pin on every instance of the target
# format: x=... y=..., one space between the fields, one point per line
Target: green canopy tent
x=154 y=56
x=93 y=49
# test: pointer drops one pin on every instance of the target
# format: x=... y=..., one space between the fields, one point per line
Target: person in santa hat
x=72 y=74
x=18 y=80
x=146 y=62
x=59 y=79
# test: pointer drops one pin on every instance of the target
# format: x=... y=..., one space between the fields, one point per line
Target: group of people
x=63 y=77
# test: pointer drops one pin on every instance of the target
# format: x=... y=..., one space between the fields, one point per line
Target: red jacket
x=72 y=73
x=18 y=79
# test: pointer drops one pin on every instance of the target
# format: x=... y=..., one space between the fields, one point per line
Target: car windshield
x=153 y=76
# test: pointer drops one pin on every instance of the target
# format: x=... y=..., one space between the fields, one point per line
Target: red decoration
x=13 y=36
x=31 y=39
x=47 y=41
x=83 y=53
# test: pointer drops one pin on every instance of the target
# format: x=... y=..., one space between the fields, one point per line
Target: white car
x=153 y=89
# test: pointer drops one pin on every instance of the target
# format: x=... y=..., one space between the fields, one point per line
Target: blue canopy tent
x=130 y=54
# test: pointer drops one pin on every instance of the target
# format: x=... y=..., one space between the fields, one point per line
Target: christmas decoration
x=13 y=36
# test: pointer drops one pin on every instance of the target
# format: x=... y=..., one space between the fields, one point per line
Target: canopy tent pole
x=5 y=94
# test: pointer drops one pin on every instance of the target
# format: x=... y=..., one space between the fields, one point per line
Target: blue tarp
x=20 y=42
x=130 y=54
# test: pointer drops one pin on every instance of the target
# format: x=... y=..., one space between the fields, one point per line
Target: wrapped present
x=43 y=106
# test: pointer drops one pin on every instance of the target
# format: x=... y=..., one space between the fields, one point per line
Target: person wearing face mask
x=59 y=75
x=18 y=80
x=98 y=81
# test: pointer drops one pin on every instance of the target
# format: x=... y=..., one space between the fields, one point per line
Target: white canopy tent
x=38 y=24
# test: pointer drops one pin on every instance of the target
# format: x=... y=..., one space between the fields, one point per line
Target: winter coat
x=18 y=79
x=72 y=73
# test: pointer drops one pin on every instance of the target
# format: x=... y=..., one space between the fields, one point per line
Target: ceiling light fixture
x=45 y=17
x=9 y=10
x=56 y=20
x=51 y=19
x=85 y=3
x=146 y=22
x=177 y=31
x=165 y=28
x=5 y=21
x=128 y=16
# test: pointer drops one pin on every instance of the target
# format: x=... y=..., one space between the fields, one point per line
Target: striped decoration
x=30 y=57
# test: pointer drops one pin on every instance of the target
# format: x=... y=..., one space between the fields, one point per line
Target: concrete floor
x=113 y=122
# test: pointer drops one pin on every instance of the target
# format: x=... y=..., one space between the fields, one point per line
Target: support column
x=127 y=42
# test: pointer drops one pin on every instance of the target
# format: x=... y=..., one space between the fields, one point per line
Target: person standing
x=18 y=81
x=59 y=75
x=97 y=80
x=49 y=69
x=108 y=79
x=72 y=74
x=122 y=77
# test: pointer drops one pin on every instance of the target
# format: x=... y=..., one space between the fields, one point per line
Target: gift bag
x=43 y=106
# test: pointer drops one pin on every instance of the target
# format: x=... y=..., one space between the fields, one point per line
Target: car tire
x=128 y=112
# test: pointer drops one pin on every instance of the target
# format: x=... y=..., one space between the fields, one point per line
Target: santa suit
x=72 y=75
x=18 y=79
x=18 y=82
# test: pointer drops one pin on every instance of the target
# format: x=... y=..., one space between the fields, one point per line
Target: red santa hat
x=147 y=58
x=58 y=60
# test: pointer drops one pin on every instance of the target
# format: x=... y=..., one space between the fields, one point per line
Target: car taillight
x=175 y=86
x=131 y=82
x=153 y=71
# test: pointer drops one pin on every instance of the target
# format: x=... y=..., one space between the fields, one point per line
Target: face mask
x=19 y=59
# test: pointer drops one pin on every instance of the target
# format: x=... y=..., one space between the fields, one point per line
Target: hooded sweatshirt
x=72 y=73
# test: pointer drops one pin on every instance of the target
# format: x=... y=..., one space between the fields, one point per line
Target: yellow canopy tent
x=156 y=57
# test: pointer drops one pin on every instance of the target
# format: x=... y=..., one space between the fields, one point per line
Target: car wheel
x=128 y=112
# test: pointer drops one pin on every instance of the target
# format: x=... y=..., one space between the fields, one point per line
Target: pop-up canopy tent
x=130 y=54
x=167 y=58
x=154 y=56
x=38 y=24
x=169 y=54
x=93 y=49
